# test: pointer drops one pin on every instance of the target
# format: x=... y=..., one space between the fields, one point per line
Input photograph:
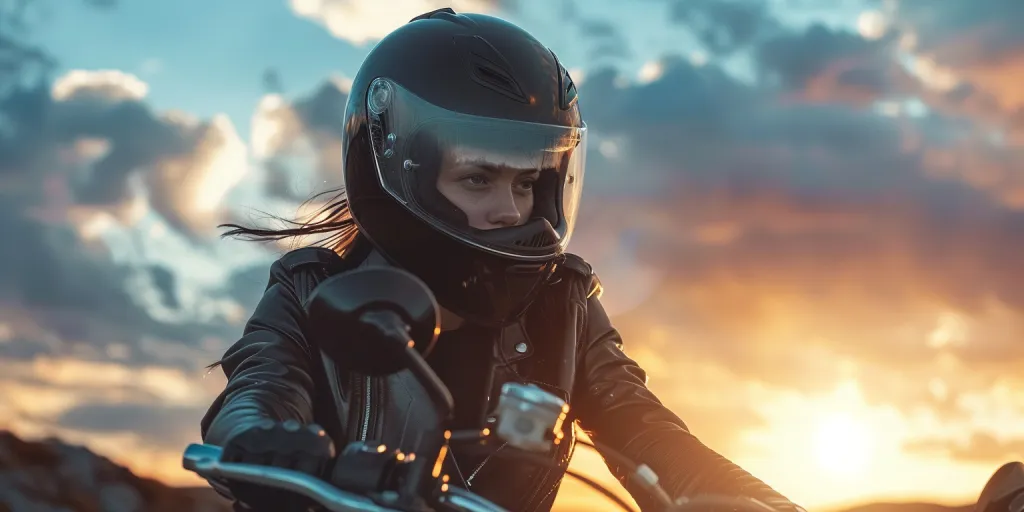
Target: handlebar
x=204 y=460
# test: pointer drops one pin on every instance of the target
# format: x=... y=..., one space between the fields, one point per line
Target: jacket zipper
x=309 y=284
x=364 y=432
x=469 y=481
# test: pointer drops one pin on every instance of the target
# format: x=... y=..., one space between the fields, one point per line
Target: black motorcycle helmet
x=464 y=86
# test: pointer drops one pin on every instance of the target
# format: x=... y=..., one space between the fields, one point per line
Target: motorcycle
x=393 y=320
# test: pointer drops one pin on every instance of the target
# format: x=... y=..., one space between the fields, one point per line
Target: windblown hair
x=333 y=221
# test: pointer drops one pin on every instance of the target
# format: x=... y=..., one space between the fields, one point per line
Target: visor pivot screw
x=521 y=347
x=409 y=165
x=390 y=151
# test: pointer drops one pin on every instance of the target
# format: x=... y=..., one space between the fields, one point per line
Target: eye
x=475 y=180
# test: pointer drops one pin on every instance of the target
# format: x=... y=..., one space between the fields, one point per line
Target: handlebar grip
x=462 y=499
x=715 y=502
x=204 y=460
x=197 y=453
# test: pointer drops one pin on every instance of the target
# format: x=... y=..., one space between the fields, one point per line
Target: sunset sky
x=808 y=216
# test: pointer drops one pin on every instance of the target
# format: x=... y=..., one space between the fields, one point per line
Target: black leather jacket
x=565 y=343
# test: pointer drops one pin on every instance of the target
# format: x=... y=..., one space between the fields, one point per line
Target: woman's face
x=491 y=196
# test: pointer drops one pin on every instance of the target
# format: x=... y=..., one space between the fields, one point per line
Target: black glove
x=280 y=444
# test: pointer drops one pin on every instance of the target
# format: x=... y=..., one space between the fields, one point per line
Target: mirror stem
x=391 y=326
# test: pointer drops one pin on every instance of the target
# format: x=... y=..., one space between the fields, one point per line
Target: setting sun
x=842 y=445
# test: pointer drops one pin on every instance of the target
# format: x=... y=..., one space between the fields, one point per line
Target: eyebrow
x=496 y=169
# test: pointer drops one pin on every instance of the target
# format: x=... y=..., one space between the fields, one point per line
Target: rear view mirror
x=364 y=319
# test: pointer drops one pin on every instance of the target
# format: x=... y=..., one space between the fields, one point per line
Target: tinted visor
x=536 y=170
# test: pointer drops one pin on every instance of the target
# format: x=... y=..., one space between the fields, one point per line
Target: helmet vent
x=447 y=14
x=567 y=88
x=495 y=77
x=435 y=13
x=377 y=134
x=489 y=68
x=542 y=239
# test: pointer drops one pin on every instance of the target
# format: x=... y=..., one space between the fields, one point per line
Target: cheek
x=472 y=204
x=524 y=204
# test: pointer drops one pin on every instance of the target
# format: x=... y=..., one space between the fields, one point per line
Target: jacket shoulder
x=319 y=260
x=295 y=259
x=584 y=269
x=324 y=258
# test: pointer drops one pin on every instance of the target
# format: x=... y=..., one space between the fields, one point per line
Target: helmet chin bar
x=534 y=236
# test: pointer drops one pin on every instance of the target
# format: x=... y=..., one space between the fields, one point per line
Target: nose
x=504 y=212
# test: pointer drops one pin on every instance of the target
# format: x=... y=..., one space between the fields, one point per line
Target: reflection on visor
x=414 y=141
x=508 y=160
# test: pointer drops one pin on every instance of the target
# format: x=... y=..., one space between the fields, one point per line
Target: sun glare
x=842 y=445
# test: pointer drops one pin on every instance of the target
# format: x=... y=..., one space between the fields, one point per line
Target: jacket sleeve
x=268 y=369
x=619 y=411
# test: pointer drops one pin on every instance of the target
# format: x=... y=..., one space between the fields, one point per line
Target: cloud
x=188 y=190
x=608 y=43
x=39 y=390
x=60 y=294
x=597 y=28
x=292 y=137
x=167 y=427
x=246 y=286
x=141 y=415
x=990 y=28
x=363 y=21
x=798 y=242
x=610 y=50
x=87 y=169
x=725 y=26
x=93 y=139
x=959 y=59
x=826 y=65
x=976 y=52
x=719 y=418
x=272 y=81
x=77 y=159
x=164 y=281
x=103 y=86
x=983 y=448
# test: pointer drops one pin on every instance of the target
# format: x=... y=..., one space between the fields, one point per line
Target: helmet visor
x=510 y=188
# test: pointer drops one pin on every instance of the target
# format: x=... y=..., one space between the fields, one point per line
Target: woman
x=463 y=164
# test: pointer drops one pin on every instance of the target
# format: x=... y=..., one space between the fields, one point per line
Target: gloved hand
x=280 y=444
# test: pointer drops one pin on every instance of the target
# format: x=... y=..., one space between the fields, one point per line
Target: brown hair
x=333 y=220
